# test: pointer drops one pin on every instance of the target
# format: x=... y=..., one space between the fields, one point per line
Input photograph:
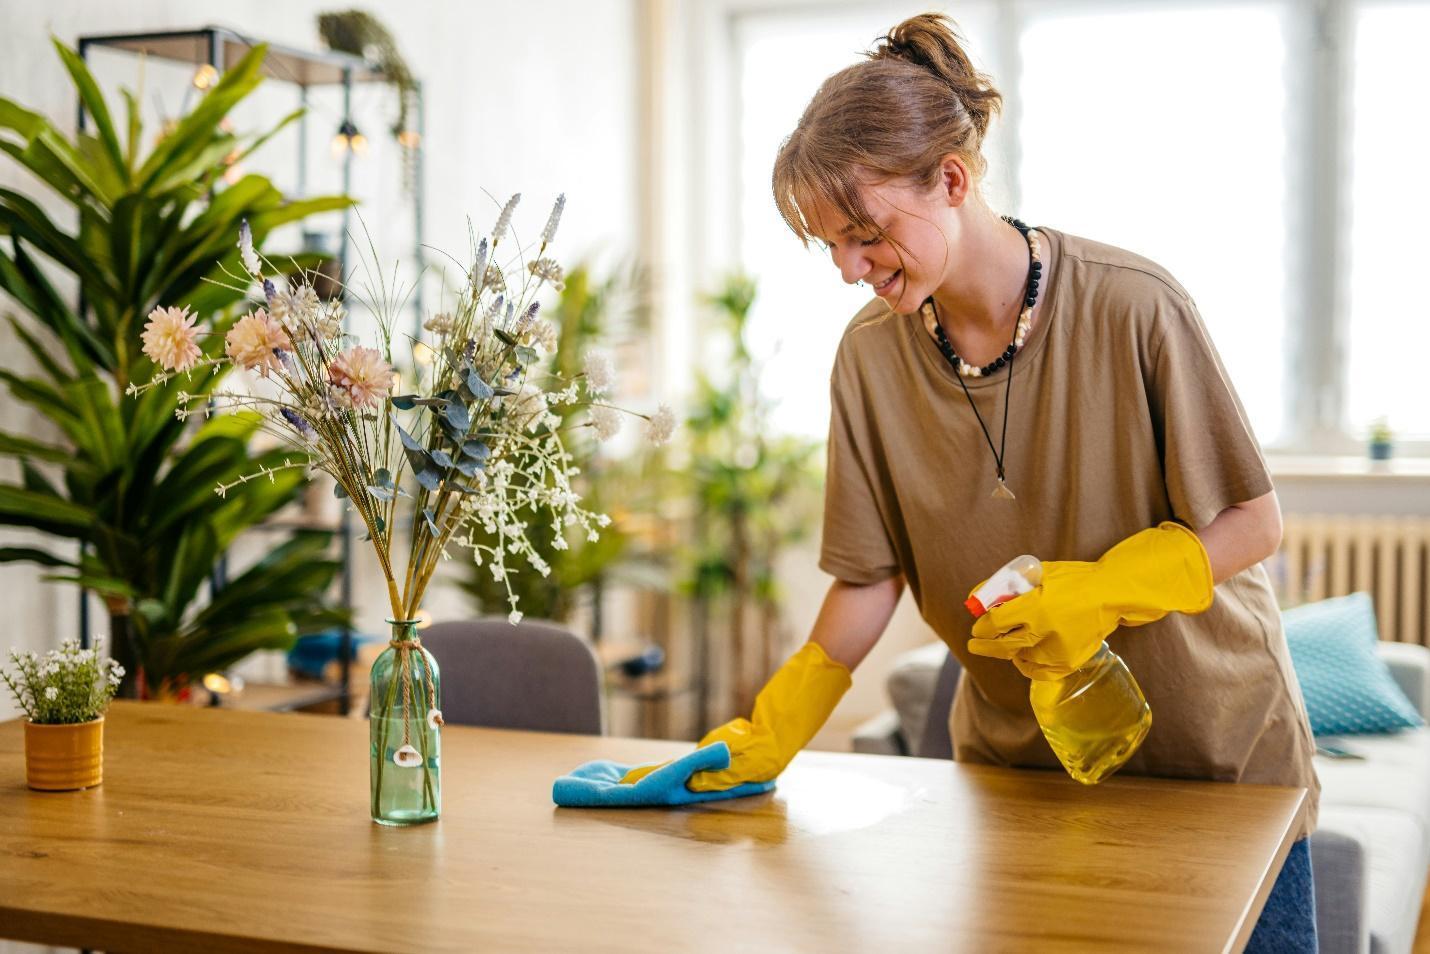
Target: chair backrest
x=935 y=742
x=533 y=675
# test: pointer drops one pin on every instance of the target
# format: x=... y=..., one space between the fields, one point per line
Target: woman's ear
x=955 y=181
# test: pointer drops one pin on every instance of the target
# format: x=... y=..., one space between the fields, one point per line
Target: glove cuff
x=1198 y=567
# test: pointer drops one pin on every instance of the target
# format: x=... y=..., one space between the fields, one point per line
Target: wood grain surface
x=244 y=831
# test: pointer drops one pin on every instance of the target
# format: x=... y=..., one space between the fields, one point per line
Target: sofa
x=1371 y=849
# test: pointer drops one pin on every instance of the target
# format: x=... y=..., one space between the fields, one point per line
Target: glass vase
x=405 y=727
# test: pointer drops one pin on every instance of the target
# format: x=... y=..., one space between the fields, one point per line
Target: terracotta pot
x=63 y=758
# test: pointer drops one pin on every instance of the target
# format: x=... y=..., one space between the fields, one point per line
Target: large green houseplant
x=125 y=481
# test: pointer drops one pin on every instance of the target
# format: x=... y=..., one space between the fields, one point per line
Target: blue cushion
x=1348 y=688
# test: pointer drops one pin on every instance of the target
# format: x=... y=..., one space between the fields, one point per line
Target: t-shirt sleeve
x=855 y=546
x=1210 y=456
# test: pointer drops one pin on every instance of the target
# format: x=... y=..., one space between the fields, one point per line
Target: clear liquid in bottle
x=1095 y=718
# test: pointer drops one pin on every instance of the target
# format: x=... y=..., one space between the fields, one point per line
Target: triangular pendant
x=1001 y=492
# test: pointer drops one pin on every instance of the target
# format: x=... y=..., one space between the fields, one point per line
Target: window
x=1129 y=138
x=1388 y=337
x=1192 y=133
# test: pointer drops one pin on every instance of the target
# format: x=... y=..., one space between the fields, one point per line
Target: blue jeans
x=1288 y=922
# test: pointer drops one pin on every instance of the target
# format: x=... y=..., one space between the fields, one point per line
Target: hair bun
x=931 y=42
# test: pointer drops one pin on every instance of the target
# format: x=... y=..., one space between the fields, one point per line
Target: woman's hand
x=1056 y=628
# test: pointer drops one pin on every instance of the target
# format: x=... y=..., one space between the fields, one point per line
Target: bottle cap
x=975 y=606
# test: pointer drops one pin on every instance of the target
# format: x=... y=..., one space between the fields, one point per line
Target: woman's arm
x=853 y=618
x=1242 y=535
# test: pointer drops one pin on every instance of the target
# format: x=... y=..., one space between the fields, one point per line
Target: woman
x=1016 y=390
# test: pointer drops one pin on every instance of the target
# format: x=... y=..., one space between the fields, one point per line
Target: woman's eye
x=871 y=241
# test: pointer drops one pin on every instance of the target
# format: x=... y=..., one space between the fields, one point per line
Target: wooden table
x=243 y=831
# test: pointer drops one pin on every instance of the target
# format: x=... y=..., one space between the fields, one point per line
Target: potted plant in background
x=64 y=695
x=1382 y=439
x=754 y=492
x=126 y=486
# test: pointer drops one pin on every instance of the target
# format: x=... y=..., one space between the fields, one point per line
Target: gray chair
x=533 y=675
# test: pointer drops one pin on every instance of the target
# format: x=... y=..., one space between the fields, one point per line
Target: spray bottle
x=1093 y=718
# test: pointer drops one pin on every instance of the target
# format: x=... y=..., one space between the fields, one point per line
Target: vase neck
x=404 y=630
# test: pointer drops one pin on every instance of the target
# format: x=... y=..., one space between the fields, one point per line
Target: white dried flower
x=606 y=420
x=549 y=233
x=600 y=371
x=304 y=302
x=545 y=336
x=504 y=220
x=439 y=324
x=660 y=425
x=496 y=281
x=246 y=253
x=51 y=693
x=548 y=270
x=479 y=265
x=514 y=617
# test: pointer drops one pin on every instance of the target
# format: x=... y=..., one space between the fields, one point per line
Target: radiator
x=1332 y=555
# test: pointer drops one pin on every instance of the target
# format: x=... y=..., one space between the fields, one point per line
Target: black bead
x=1012 y=350
x=1029 y=301
x=1037 y=266
x=1000 y=362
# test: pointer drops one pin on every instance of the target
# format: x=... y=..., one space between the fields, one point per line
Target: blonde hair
x=895 y=115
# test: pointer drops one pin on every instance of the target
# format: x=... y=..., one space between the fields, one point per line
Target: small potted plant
x=1381 y=438
x=64 y=694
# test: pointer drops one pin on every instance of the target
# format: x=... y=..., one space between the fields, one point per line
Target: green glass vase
x=406 y=731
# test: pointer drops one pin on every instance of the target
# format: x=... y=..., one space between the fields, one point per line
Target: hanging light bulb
x=348 y=138
x=204 y=76
x=409 y=139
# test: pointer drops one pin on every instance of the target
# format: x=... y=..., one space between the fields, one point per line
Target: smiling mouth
x=881 y=286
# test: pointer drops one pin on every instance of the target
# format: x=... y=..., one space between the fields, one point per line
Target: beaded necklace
x=962 y=369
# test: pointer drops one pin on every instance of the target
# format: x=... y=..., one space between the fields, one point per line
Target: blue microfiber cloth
x=598 y=784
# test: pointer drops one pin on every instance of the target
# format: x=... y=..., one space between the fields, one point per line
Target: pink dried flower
x=171 y=340
x=363 y=373
x=252 y=342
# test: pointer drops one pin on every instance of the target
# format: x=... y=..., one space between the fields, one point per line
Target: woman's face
x=910 y=260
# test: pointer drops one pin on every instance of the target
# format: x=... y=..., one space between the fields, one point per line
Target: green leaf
x=416 y=453
x=26 y=508
x=200 y=125
x=504 y=338
x=526 y=356
x=94 y=102
x=14 y=116
x=24 y=447
x=456 y=414
x=33 y=555
x=474 y=388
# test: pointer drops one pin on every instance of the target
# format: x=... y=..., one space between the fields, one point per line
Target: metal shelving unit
x=215 y=47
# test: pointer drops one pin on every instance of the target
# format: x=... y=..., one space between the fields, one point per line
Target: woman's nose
x=852 y=265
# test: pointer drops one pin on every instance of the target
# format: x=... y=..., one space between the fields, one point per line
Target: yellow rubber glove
x=788 y=712
x=1051 y=631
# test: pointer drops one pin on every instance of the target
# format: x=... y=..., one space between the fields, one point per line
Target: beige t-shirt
x=1121 y=417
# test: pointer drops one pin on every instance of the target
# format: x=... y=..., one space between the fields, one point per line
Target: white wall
x=537 y=97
